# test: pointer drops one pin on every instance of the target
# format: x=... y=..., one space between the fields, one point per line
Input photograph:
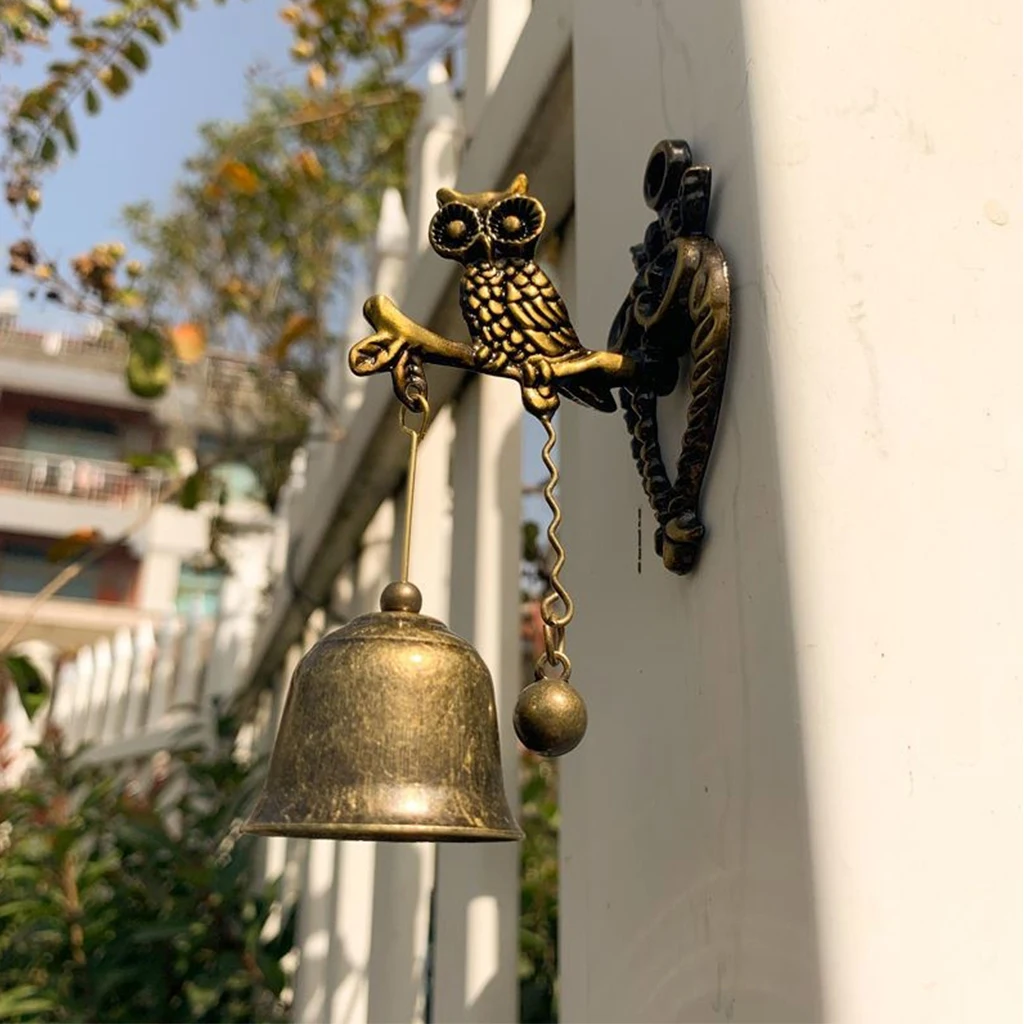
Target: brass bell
x=389 y=732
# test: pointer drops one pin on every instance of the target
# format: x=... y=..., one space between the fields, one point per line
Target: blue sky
x=134 y=149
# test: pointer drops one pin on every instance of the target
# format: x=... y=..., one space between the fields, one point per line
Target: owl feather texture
x=518 y=324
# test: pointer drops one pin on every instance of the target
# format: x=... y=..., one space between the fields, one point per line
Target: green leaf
x=48 y=150
x=32 y=688
x=90 y=44
x=153 y=30
x=273 y=973
x=35 y=103
x=24 y=1001
x=40 y=14
x=192 y=491
x=151 y=460
x=284 y=941
x=136 y=55
x=169 y=9
x=115 y=80
x=163 y=932
x=63 y=840
x=62 y=122
x=30 y=908
x=92 y=101
x=201 y=999
x=149 y=371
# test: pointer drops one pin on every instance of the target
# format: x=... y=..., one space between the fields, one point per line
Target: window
x=61 y=433
x=199 y=592
x=25 y=569
x=238 y=479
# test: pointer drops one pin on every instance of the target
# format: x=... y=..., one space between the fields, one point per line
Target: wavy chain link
x=554 y=621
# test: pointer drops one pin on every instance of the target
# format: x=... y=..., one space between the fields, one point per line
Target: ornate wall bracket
x=678 y=308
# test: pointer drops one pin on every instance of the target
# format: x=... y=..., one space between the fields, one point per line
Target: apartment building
x=69 y=428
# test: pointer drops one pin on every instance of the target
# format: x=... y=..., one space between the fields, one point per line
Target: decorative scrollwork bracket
x=678 y=307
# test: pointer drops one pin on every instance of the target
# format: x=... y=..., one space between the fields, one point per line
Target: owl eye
x=454 y=228
x=516 y=221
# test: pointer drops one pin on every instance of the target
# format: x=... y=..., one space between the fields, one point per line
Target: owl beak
x=485 y=239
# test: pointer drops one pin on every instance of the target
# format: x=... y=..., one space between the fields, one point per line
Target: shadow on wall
x=687 y=878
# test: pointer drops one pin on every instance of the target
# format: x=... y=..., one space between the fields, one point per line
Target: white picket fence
x=121 y=700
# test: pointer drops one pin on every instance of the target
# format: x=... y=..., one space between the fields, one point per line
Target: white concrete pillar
x=477 y=902
x=351 y=904
x=188 y=682
x=387 y=275
x=404 y=875
x=158 y=580
x=312 y=993
x=335 y=920
x=274 y=849
x=799 y=796
x=491 y=35
x=433 y=154
x=390 y=252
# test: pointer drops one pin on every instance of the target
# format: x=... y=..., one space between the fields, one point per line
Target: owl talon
x=536 y=372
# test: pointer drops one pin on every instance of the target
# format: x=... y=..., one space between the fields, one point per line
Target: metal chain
x=555 y=620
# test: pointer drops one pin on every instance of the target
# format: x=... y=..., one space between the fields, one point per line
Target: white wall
x=799 y=798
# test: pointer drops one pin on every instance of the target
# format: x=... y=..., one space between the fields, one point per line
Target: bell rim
x=405 y=833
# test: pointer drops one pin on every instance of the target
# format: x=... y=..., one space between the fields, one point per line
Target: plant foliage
x=134 y=904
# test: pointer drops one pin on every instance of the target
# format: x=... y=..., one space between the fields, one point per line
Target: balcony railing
x=109 y=483
x=104 y=352
x=220 y=373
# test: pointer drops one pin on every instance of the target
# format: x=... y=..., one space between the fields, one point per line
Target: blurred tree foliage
x=128 y=905
x=539 y=818
x=264 y=223
x=269 y=204
x=538 y=913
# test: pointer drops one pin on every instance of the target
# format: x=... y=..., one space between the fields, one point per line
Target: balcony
x=77 y=479
x=91 y=368
x=54 y=495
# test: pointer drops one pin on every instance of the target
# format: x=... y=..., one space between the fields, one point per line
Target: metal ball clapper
x=389 y=730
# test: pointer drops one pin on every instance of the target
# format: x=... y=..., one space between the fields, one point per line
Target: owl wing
x=536 y=309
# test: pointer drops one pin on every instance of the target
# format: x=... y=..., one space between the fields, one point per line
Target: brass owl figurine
x=518 y=324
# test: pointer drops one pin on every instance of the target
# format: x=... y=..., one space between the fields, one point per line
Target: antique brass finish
x=518 y=324
x=389 y=732
x=679 y=306
x=551 y=716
